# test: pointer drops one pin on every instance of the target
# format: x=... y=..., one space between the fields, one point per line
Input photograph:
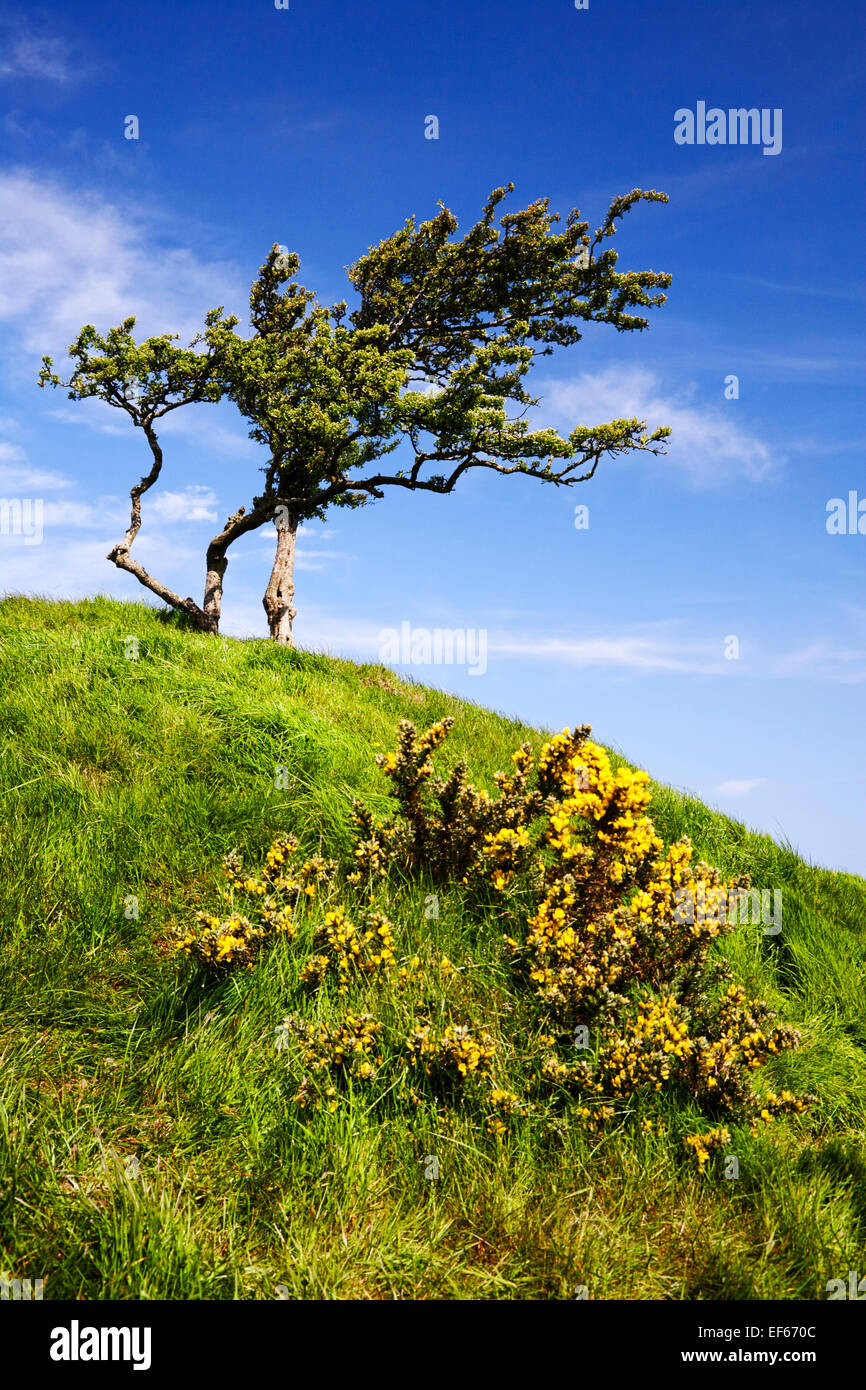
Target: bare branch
x=124 y=561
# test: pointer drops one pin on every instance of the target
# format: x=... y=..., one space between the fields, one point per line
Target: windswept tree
x=147 y=381
x=433 y=359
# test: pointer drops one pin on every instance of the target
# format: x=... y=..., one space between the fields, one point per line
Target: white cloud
x=825 y=660
x=660 y=650
x=706 y=444
x=735 y=788
x=792 y=364
x=79 y=568
x=111 y=514
x=628 y=651
x=95 y=415
x=27 y=54
x=196 y=423
x=193 y=422
x=194 y=503
x=304 y=559
x=68 y=258
x=852 y=290
x=106 y=515
x=18 y=476
x=640 y=654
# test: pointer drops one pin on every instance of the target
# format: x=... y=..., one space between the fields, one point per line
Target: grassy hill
x=129 y=779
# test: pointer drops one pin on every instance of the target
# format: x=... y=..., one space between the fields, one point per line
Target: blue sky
x=306 y=126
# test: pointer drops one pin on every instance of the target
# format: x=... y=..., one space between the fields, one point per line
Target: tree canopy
x=432 y=360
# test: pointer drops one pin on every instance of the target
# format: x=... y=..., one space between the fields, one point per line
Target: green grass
x=132 y=778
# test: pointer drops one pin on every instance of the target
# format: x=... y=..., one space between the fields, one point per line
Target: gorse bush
x=349 y=951
x=623 y=994
x=458 y=836
x=333 y=1055
x=221 y=942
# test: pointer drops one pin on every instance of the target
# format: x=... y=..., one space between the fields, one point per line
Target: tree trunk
x=119 y=554
x=281 y=585
x=217 y=562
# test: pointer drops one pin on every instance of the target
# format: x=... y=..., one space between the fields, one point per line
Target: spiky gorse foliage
x=598 y=940
x=344 y=949
x=223 y=942
x=272 y=896
x=621 y=995
x=504 y=1108
x=335 y=1056
x=453 y=1054
x=446 y=827
x=702 y=1145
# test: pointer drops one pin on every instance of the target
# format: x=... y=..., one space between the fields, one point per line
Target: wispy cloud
x=198 y=424
x=310 y=554
x=110 y=515
x=106 y=515
x=641 y=654
x=826 y=660
x=318 y=560
x=707 y=445
x=808 y=363
x=662 y=649
x=623 y=652
x=736 y=788
x=194 y=503
x=95 y=415
x=79 y=568
x=69 y=257
x=654 y=650
x=850 y=292
x=27 y=54
x=17 y=475
x=195 y=423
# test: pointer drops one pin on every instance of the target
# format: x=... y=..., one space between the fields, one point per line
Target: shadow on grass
x=843 y=1160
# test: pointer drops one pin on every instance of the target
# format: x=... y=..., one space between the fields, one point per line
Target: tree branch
x=124 y=561
x=565 y=477
x=120 y=555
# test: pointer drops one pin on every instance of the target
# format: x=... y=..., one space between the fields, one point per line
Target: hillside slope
x=149 y=1146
